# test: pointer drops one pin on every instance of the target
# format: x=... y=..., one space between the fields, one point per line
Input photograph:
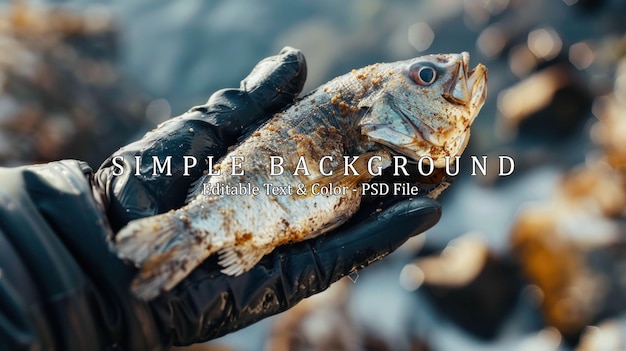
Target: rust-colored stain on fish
x=418 y=107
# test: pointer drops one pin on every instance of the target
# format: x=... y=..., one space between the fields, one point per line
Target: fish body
x=417 y=107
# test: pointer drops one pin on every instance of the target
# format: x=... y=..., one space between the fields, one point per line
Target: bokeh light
x=581 y=55
x=544 y=43
x=421 y=36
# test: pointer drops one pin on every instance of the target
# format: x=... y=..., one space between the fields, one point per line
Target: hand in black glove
x=63 y=286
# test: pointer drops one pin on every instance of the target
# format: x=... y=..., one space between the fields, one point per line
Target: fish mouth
x=468 y=87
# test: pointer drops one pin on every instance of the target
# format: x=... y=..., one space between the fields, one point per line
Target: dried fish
x=423 y=106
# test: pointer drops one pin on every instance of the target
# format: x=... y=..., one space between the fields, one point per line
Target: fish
x=418 y=107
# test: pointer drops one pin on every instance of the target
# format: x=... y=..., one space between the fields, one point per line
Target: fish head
x=425 y=106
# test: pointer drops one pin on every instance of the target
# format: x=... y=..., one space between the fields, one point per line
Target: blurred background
x=532 y=261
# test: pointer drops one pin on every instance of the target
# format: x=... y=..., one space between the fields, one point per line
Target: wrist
x=60 y=235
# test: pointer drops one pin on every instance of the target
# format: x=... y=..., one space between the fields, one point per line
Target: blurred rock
x=607 y=336
x=470 y=285
x=320 y=322
x=610 y=129
x=547 y=339
x=569 y=292
x=586 y=6
x=202 y=347
x=571 y=247
x=547 y=107
x=61 y=95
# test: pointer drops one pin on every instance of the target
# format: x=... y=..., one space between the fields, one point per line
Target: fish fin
x=371 y=99
x=434 y=193
x=195 y=187
x=360 y=165
x=238 y=260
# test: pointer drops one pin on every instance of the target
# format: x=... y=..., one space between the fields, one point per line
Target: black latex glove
x=63 y=287
x=273 y=84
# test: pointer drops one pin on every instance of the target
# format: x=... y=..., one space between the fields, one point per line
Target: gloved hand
x=76 y=292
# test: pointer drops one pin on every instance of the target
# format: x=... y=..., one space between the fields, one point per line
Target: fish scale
x=367 y=112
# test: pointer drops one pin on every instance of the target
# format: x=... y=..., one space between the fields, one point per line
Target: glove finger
x=363 y=243
x=208 y=304
x=273 y=84
x=184 y=142
x=206 y=130
x=277 y=80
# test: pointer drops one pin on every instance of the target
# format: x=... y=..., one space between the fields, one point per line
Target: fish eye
x=423 y=75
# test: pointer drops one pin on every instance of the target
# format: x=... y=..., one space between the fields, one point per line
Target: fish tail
x=142 y=238
x=164 y=271
x=163 y=249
